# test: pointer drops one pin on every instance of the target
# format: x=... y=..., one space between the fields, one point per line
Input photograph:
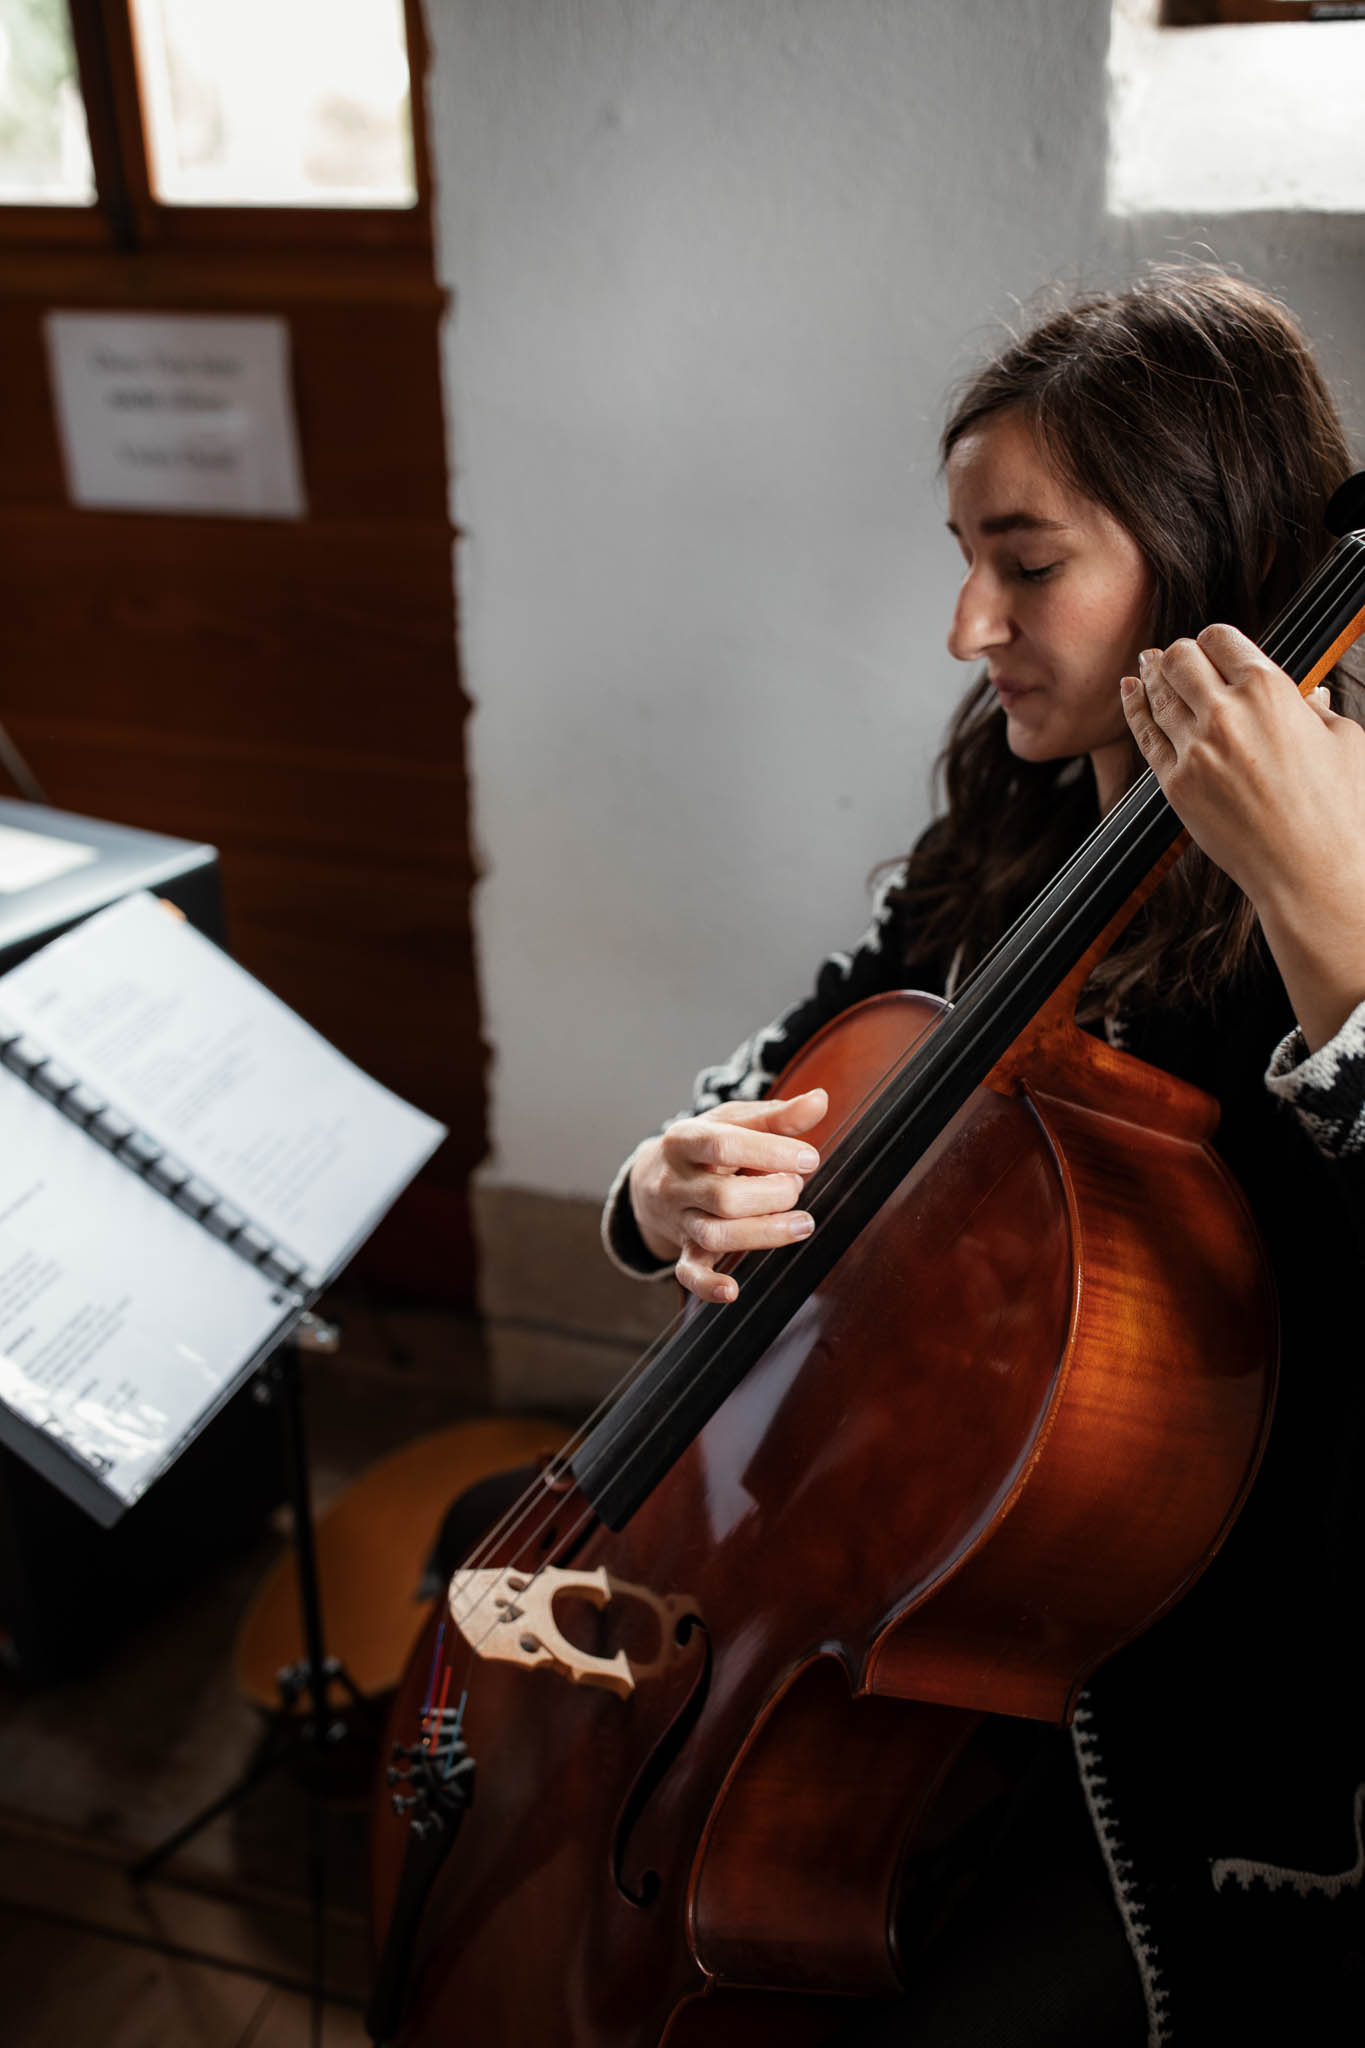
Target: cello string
x=1324 y=589
x=520 y=1522
x=507 y=1523
x=1327 y=583
x=1287 y=632
x=1286 y=639
x=487 y=1599
x=517 y=1519
x=1147 y=807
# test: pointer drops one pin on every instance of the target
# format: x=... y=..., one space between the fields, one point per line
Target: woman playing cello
x=1187 y=1867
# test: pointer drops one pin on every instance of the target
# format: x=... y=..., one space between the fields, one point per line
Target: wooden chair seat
x=373 y=1542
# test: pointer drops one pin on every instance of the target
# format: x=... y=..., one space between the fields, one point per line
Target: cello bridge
x=507 y=1615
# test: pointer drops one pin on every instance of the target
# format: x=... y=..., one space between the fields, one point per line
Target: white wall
x=1285 y=132
x=714 y=267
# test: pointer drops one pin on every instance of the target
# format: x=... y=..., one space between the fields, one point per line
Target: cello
x=716 y=1677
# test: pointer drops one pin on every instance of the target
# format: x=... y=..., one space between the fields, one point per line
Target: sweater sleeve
x=1326 y=1088
x=843 y=980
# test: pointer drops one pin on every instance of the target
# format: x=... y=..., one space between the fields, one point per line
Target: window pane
x=276 y=102
x=44 y=148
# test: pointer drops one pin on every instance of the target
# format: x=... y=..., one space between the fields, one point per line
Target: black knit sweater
x=1223 y=1753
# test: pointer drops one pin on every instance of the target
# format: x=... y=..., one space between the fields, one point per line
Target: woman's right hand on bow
x=726 y=1181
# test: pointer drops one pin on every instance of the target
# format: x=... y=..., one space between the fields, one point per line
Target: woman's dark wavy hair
x=1188 y=406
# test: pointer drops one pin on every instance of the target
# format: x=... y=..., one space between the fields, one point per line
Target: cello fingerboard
x=705 y=1355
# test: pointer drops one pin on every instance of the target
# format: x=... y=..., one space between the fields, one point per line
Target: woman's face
x=1057 y=599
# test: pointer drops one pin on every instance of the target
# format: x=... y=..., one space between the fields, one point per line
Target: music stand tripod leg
x=280 y=1383
x=270 y=1755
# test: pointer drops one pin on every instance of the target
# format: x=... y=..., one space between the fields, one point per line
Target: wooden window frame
x=1234 y=13
x=126 y=215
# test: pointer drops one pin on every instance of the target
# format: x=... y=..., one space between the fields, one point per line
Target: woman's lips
x=1010 y=692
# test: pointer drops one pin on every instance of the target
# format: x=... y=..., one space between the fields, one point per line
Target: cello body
x=1005 y=1433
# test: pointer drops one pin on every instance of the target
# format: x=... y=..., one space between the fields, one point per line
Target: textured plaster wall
x=714 y=267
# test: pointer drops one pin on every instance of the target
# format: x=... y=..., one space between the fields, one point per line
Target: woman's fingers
x=718 y=1236
x=796 y=1113
x=1231 y=656
x=1267 y=783
x=1152 y=742
x=784 y=1115
x=735 y=1196
x=1169 y=699
x=705 y=1174
x=748 y=1137
x=709 y=1240
x=735 y=1175
x=1181 y=695
x=1187 y=687
x=696 y=1272
x=1192 y=708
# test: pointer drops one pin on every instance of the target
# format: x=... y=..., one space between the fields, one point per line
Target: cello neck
x=699 y=1362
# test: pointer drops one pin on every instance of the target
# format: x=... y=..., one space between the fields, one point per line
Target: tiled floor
x=215 y=1950
x=86 y=1957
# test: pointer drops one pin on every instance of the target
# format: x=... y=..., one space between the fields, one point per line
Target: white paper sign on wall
x=176 y=413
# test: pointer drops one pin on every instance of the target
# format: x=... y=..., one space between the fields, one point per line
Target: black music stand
x=279 y=1386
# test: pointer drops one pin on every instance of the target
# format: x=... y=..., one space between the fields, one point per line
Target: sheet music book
x=184 y=1163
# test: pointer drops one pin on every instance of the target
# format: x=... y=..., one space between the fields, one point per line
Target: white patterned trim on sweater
x=1090 y=1763
x=748 y=1074
x=1324 y=1088
x=1330 y=1884
x=618 y=1218
x=750 y=1071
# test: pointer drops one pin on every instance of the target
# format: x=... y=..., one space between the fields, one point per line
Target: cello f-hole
x=656 y=1766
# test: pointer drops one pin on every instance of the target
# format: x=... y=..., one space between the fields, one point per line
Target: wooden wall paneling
x=30 y=458
x=372 y=950
x=371 y=431
x=317 y=634
x=286 y=690
x=278 y=804
x=289 y=691
x=304 y=718
x=410 y=1016
x=370 y=416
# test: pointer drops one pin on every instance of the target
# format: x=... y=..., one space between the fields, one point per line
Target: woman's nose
x=980 y=621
